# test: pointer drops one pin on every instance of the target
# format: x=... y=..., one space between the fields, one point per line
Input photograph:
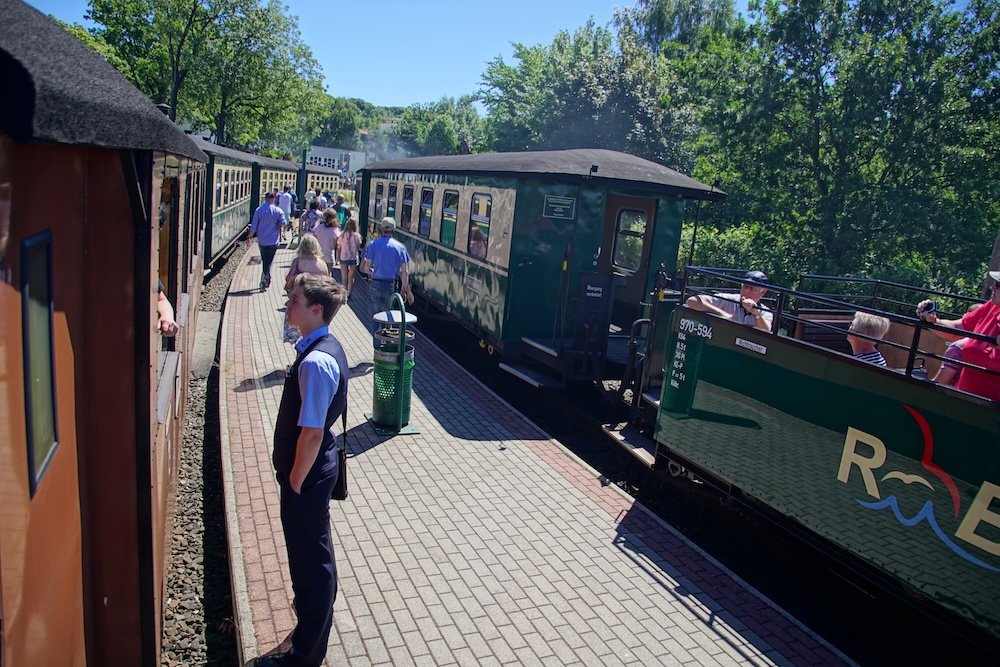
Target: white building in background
x=347 y=161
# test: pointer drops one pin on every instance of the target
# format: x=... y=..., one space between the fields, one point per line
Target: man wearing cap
x=984 y=320
x=390 y=261
x=267 y=226
x=744 y=307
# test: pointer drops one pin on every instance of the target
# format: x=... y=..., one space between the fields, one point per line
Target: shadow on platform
x=273 y=378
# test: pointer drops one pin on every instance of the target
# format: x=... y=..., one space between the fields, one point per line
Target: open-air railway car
x=896 y=475
x=91 y=398
x=549 y=256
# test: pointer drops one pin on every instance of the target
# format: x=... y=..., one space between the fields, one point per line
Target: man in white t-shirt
x=743 y=308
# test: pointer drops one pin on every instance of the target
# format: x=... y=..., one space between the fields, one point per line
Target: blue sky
x=396 y=53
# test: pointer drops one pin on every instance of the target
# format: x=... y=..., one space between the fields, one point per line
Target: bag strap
x=343 y=425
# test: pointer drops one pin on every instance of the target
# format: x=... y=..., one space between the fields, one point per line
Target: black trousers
x=267 y=258
x=305 y=519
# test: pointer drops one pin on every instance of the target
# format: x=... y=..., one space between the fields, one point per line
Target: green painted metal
x=804 y=430
x=223 y=226
x=471 y=291
x=537 y=295
x=538 y=247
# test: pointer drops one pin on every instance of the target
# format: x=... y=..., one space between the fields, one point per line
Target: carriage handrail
x=737 y=276
x=879 y=282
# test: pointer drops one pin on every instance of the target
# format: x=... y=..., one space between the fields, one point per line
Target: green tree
x=161 y=41
x=846 y=136
x=341 y=124
x=95 y=42
x=255 y=73
x=441 y=137
x=589 y=89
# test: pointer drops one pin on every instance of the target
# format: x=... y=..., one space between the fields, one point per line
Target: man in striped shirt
x=872 y=327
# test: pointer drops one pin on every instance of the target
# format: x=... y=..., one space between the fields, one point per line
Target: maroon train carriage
x=99 y=200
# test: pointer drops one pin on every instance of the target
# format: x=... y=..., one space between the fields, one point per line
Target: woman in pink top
x=327 y=233
x=984 y=320
x=348 y=246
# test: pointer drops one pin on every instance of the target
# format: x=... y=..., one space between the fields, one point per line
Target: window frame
x=473 y=223
x=218 y=188
x=618 y=234
x=430 y=214
x=29 y=245
x=444 y=202
x=390 y=199
x=406 y=210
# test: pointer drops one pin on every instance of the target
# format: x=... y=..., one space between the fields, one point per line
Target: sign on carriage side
x=866 y=455
x=561 y=208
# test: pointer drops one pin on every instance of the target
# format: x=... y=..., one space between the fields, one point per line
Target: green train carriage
x=899 y=477
x=549 y=256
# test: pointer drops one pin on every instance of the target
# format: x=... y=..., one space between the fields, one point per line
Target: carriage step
x=533 y=376
x=542 y=353
x=633 y=441
x=652 y=398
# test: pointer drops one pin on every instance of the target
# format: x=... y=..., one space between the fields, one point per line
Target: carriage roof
x=59 y=90
x=571 y=164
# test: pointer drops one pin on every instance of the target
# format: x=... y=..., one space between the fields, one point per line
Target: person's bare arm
x=933 y=319
x=404 y=279
x=167 y=324
x=698 y=303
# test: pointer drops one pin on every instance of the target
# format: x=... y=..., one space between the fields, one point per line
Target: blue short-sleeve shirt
x=387 y=256
x=319 y=378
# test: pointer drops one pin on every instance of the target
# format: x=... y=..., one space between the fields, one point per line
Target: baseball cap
x=995 y=275
x=757 y=276
x=387 y=224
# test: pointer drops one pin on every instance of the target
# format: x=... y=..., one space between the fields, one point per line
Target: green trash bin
x=385 y=400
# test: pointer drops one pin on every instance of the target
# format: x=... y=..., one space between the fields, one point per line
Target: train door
x=629 y=223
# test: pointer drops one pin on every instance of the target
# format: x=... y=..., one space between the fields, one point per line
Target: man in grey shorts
x=743 y=308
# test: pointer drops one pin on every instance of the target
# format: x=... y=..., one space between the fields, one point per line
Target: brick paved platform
x=480 y=541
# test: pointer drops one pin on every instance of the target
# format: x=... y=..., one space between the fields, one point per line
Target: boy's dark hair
x=323 y=291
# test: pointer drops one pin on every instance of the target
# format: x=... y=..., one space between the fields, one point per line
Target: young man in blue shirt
x=267 y=225
x=307 y=467
x=390 y=261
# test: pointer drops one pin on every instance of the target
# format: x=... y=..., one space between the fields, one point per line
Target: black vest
x=286 y=430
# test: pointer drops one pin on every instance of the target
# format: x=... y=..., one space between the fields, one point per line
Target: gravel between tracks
x=197 y=620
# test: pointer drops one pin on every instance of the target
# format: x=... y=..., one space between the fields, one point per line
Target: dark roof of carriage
x=269 y=162
x=566 y=164
x=59 y=90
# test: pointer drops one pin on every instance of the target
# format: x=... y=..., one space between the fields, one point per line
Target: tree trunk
x=220 y=121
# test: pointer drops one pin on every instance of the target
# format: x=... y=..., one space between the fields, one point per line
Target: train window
x=390 y=206
x=39 y=371
x=225 y=188
x=218 y=188
x=378 y=201
x=449 y=218
x=479 y=225
x=630 y=232
x=426 y=209
x=406 y=217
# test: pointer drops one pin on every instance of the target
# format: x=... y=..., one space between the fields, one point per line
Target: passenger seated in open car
x=983 y=320
x=744 y=307
x=871 y=326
